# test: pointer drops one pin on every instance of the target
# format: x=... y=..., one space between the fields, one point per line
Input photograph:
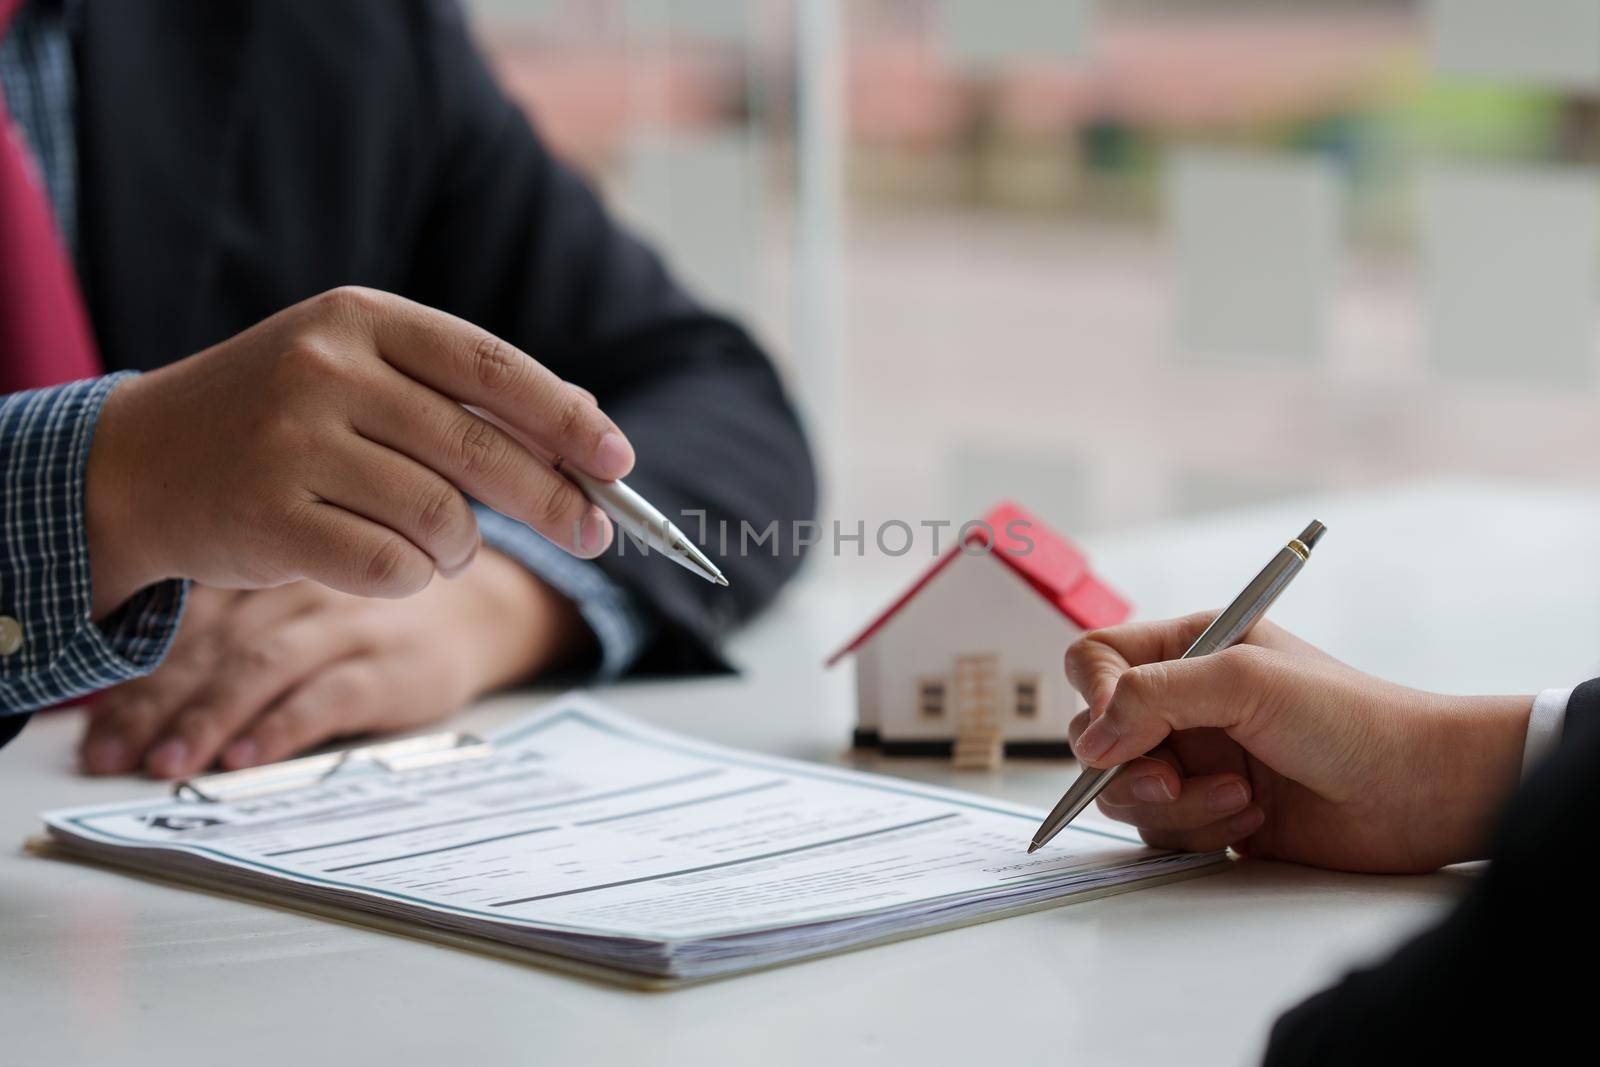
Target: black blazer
x=1513 y=966
x=238 y=156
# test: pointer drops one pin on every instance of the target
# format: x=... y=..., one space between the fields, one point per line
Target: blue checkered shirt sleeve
x=44 y=560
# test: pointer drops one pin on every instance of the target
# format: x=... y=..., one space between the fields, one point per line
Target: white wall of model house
x=975 y=605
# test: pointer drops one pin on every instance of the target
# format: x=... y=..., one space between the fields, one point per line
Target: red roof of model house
x=1048 y=562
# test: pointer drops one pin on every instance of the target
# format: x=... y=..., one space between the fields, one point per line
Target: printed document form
x=589 y=836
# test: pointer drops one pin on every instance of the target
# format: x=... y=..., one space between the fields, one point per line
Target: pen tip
x=1033 y=846
x=721 y=580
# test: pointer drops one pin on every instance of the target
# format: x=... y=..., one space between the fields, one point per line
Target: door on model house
x=978 y=741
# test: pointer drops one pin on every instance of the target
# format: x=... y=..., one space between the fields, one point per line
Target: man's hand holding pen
x=1279 y=750
x=330 y=442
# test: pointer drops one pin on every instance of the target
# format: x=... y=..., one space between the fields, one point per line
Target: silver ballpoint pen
x=638 y=517
x=1226 y=629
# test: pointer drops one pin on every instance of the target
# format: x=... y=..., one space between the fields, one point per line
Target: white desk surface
x=1465 y=587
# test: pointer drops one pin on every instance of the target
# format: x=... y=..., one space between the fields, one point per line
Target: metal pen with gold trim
x=1226 y=629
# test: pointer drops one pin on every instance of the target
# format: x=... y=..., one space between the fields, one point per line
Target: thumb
x=1098 y=659
x=1151 y=701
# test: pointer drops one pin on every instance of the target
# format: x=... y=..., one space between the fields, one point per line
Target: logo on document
x=180 y=823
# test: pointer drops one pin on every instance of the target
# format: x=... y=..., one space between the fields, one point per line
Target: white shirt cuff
x=1544 y=726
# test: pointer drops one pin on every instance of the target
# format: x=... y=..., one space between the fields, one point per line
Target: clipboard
x=444 y=749
x=408 y=753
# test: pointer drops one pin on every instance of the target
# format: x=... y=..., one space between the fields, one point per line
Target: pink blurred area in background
x=588 y=88
x=586 y=96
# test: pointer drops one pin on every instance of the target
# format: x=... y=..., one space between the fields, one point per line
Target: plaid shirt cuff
x=44 y=561
x=620 y=625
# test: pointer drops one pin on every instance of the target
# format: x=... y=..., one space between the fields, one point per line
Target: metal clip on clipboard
x=403 y=755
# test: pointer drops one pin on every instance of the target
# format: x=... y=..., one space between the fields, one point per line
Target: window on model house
x=930 y=698
x=1025 y=696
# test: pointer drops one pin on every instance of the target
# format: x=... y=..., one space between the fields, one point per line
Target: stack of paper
x=585 y=835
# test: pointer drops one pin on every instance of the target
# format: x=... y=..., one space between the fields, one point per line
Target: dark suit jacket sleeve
x=516 y=242
x=1510 y=964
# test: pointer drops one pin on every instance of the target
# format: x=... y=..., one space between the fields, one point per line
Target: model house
x=968 y=661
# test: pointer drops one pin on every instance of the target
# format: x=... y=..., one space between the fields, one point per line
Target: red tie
x=44 y=331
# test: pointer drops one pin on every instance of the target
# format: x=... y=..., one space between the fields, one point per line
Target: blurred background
x=1121 y=260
